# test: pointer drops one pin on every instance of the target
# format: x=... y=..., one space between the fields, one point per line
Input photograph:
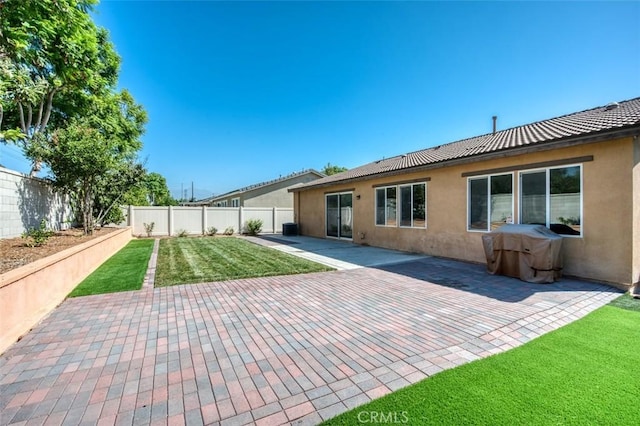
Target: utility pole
x=192 y=198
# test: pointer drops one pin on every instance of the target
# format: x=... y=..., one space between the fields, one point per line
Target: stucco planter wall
x=29 y=293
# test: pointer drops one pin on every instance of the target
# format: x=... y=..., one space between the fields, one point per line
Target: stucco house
x=273 y=193
x=578 y=174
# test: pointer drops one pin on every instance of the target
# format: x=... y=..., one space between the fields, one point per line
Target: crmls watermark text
x=391 y=417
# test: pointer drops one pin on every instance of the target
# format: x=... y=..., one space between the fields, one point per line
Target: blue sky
x=242 y=92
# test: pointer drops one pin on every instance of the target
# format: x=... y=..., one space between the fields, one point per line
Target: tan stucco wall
x=636 y=215
x=29 y=293
x=603 y=253
x=272 y=195
x=277 y=198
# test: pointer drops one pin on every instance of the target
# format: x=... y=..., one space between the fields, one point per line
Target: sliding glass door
x=339 y=214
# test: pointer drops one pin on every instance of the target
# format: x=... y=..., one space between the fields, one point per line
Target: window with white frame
x=553 y=197
x=386 y=205
x=235 y=202
x=413 y=203
x=490 y=202
x=401 y=205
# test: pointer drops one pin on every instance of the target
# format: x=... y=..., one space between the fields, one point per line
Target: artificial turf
x=123 y=271
x=584 y=373
x=206 y=259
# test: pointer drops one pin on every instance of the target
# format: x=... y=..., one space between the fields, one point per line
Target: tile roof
x=261 y=184
x=603 y=119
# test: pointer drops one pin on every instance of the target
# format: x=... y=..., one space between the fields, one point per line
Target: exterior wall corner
x=635 y=258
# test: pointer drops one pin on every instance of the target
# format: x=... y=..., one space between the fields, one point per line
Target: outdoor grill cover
x=529 y=252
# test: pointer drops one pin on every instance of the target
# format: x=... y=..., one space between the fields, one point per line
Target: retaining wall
x=29 y=293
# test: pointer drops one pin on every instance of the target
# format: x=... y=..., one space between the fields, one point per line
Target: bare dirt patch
x=15 y=252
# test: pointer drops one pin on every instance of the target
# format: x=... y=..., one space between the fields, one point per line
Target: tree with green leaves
x=150 y=190
x=7 y=83
x=157 y=190
x=115 y=188
x=58 y=101
x=53 y=62
x=94 y=157
x=333 y=170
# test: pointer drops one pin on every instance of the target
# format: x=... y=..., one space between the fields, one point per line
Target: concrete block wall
x=25 y=201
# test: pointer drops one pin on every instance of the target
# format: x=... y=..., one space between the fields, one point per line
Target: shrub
x=212 y=231
x=229 y=231
x=569 y=220
x=37 y=237
x=253 y=226
x=148 y=228
x=182 y=233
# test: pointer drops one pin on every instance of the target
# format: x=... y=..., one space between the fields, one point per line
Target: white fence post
x=240 y=219
x=130 y=220
x=204 y=220
x=170 y=223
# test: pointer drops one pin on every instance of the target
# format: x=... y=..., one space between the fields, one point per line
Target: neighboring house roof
x=240 y=191
x=578 y=127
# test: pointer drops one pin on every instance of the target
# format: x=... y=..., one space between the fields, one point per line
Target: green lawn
x=193 y=260
x=584 y=373
x=123 y=271
x=627 y=302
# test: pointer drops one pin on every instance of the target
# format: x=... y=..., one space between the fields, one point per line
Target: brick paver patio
x=293 y=349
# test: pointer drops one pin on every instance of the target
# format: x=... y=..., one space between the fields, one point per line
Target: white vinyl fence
x=198 y=220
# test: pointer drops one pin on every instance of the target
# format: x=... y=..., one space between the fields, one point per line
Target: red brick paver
x=294 y=349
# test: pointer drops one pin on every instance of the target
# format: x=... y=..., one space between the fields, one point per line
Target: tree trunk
x=87 y=209
x=36 y=166
x=44 y=114
x=90 y=212
x=103 y=213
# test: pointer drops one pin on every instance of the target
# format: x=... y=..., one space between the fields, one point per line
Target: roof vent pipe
x=495 y=119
